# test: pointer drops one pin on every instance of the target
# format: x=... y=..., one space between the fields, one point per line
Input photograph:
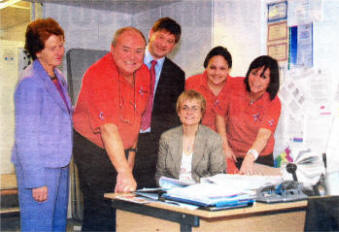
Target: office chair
x=322 y=214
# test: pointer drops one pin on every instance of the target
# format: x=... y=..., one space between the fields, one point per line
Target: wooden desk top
x=255 y=209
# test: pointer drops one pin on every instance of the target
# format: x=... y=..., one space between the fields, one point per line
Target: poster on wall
x=301 y=46
x=278 y=51
x=277 y=11
x=277 y=31
x=277 y=40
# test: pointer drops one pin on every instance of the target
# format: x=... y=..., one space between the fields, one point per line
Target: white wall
x=234 y=24
x=195 y=18
x=9 y=71
x=326 y=59
x=239 y=26
x=85 y=27
x=93 y=28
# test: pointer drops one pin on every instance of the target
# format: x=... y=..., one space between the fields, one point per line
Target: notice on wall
x=277 y=11
x=304 y=11
x=277 y=40
x=333 y=137
x=278 y=51
x=301 y=46
x=277 y=31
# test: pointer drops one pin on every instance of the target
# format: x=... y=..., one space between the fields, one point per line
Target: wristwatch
x=132 y=149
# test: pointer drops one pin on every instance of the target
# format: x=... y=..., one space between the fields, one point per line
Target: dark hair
x=38 y=32
x=191 y=95
x=169 y=25
x=219 y=51
x=124 y=29
x=272 y=64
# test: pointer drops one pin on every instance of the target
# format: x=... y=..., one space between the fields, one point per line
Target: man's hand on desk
x=125 y=182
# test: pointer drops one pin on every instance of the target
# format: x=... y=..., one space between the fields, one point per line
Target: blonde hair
x=191 y=95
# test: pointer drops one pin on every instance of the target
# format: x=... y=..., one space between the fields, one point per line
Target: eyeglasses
x=126 y=107
x=193 y=109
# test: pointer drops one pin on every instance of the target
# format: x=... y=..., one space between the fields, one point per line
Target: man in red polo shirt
x=107 y=117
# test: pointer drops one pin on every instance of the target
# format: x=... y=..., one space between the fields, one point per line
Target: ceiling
x=19 y=12
x=124 y=6
x=14 y=15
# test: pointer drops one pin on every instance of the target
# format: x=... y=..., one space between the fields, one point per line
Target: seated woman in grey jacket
x=190 y=151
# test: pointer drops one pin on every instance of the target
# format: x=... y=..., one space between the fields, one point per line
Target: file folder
x=217 y=205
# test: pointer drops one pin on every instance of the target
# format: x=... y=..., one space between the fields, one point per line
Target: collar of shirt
x=203 y=81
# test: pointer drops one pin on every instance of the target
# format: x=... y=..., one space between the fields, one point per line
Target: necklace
x=53 y=76
x=188 y=143
x=127 y=118
x=189 y=148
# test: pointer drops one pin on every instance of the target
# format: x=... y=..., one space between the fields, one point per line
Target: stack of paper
x=223 y=190
x=169 y=183
x=208 y=194
x=243 y=182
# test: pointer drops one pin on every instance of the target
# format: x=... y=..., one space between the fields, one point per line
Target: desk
x=157 y=216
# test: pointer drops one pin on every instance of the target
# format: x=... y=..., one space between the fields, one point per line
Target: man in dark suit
x=169 y=83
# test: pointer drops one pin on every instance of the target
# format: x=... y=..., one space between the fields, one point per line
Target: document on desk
x=242 y=182
x=133 y=198
x=210 y=194
x=150 y=193
x=168 y=183
x=222 y=190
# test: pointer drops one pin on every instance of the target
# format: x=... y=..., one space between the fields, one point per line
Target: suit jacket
x=43 y=132
x=164 y=116
x=208 y=156
x=170 y=86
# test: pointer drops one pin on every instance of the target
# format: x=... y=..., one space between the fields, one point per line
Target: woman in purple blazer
x=43 y=133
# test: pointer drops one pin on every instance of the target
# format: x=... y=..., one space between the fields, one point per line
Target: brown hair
x=190 y=95
x=38 y=32
x=268 y=63
x=169 y=25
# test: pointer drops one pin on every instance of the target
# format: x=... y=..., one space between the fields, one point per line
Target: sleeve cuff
x=34 y=178
x=254 y=153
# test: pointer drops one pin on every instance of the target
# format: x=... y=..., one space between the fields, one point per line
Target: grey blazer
x=208 y=157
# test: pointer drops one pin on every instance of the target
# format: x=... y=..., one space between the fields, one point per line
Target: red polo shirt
x=244 y=119
x=199 y=83
x=106 y=97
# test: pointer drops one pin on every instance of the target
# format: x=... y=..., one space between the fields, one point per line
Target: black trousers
x=146 y=160
x=267 y=160
x=97 y=176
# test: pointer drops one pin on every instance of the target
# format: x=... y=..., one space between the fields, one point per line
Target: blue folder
x=227 y=204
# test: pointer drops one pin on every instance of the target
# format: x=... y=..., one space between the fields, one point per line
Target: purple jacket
x=43 y=131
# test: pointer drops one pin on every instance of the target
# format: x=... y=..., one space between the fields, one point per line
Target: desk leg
x=185 y=227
